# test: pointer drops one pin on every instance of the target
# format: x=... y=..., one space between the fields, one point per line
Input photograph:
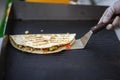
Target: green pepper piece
x=51 y=48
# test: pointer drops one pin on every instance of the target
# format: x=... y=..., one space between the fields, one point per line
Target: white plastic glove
x=110 y=11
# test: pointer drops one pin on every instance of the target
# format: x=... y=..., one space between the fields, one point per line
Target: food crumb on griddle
x=41 y=30
x=27 y=32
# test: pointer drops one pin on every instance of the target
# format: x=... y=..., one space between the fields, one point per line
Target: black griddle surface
x=100 y=60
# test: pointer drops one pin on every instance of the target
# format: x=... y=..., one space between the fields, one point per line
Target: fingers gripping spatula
x=81 y=43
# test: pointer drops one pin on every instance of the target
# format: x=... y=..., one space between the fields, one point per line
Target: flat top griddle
x=100 y=60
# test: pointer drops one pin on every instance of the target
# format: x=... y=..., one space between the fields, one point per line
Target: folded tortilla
x=42 y=43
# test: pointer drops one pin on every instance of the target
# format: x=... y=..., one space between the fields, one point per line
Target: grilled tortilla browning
x=42 y=43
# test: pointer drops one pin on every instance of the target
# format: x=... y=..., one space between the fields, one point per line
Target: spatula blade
x=117 y=31
x=77 y=45
x=86 y=37
x=81 y=43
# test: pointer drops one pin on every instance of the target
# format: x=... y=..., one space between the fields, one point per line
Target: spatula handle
x=101 y=26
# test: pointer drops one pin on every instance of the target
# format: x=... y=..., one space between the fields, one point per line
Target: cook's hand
x=110 y=11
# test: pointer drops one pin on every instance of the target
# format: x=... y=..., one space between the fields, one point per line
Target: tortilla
x=42 y=43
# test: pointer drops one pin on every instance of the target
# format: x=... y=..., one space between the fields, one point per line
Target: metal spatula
x=117 y=31
x=81 y=43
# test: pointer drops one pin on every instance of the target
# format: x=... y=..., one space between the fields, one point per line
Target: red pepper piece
x=68 y=46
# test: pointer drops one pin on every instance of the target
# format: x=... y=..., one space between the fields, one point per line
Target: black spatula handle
x=101 y=26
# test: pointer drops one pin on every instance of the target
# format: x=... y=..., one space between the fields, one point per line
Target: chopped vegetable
x=52 y=48
x=68 y=46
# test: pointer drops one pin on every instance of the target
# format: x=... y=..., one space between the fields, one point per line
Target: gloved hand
x=110 y=11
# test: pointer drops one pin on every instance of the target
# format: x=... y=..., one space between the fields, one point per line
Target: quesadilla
x=42 y=43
